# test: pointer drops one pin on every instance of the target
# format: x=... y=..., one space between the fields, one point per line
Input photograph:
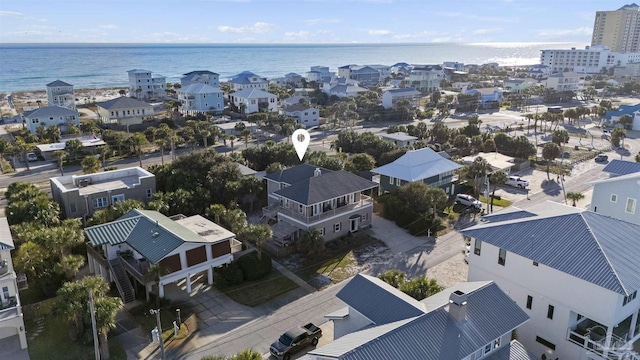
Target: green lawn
x=496 y=202
x=54 y=343
x=254 y=293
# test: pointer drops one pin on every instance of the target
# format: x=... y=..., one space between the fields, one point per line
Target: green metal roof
x=150 y=233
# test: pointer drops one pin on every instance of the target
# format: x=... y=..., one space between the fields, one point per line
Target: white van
x=32 y=157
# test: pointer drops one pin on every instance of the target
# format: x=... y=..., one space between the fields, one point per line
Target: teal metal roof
x=150 y=233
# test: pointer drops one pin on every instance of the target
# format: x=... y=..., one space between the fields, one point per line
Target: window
x=337 y=227
x=535 y=263
x=496 y=343
x=546 y=343
x=149 y=193
x=477 y=246
x=72 y=208
x=398 y=182
x=550 y=312
x=99 y=202
x=502 y=256
x=631 y=206
x=321 y=231
x=363 y=218
x=116 y=198
x=391 y=180
x=487 y=348
x=614 y=198
x=5 y=292
x=629 y=298
x=529 y=301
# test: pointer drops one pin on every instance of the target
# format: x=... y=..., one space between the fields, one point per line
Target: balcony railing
x=364 y=201
x=97 y=255
x=618 y=349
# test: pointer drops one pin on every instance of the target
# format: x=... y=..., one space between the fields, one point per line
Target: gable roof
x=382 y=304
x=150 y=233
x=590 y=246
x=434 y=334
x=6 y=241
x=253 y=93
x=295 y=174
x=122 y=102
x=417 y=165
x=327 y=186
x=297 y=107
x=633 y=175
x=199 y=88
x=50 y=111
x=403 y=91
x=200 y=72
x=58 y=83
x=621 y=167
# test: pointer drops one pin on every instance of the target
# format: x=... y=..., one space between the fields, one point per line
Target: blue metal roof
x=513 y=351
x=622 y=110
x=506 y=216
x=621 y=167
x=417 y=165
x=590 y=246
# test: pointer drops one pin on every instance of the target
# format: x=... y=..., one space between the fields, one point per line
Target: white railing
x=618 y=349
x=364 y=201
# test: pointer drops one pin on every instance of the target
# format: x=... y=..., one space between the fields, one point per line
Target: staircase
x=122 y=281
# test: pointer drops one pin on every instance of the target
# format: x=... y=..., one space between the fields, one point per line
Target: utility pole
x=157 y=313
x=93 y=325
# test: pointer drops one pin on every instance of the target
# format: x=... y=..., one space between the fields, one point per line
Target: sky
x=301 y=21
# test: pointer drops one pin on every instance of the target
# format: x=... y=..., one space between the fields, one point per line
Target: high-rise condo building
x=619 y=30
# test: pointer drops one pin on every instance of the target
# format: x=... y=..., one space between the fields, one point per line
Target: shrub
x=230 y=275
x=254 y=268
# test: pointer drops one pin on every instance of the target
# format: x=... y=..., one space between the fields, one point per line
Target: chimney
x=317 y=172
x=458 y=305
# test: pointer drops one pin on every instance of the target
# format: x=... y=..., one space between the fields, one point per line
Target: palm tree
x=153 y=275
x=437 y=198
x=53 y=133
x=205 y=133
x=23 y=148
x=231 y=139
x=60 y=155
x=137 y=140
x=476 y=173
x=246 y=133
x=550 y=152
x=574 y=196
x=161 y=144
x=90 y=164
x=106 y=309
x=247 y=354
x=497 y=178
x=215 y=211
x=73 y=146
x=258 y=234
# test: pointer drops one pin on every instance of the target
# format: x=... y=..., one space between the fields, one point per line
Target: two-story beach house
x=12 y=333
x=252 y=100
x=392 y=96
x=59 y=116
x=201 y=77
x=248 y=80
x=490 y=98
x=82 y=195
x=143 y=84
x=304 y=114
x=342 y=87
x=473 y=320
x=308 y=197
x=124 y=111
x=201 y=98
x=364 y=75
x=423 y=165
x=565 y=81
x=319 y=74
x=122 y=251
x=618 y=195
x=574 y=272
x=426 y=78
x=59 y=93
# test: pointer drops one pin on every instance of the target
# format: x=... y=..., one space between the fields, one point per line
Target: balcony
x=9 y=309
x=592 y=336
x=329 y=213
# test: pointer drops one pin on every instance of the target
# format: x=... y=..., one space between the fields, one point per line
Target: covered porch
x=618 y=342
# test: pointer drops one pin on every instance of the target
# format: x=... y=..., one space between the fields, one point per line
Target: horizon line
x=293 y=43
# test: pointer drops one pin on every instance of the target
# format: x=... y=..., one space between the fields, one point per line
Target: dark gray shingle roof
x=58 y=83
x=295 y=174
x=621 y=167
x=324 y=187
x=590 y=246
x=50 y=111
x=122 y=102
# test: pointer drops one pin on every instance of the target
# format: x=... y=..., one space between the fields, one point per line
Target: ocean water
x=32 y=66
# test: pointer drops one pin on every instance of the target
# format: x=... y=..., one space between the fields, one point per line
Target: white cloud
x=11 y=13
x=379 y=32
x=297 y=35
x=475 y=17
x=560 y=33
x=416 y=35
x=488 y=31
x=108 y=26
x=320 y=21
x=257 y=28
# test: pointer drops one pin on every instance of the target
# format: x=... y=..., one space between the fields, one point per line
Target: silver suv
x=468 y=200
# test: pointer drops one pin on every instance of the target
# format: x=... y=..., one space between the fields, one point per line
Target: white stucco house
x=574 y=272
x=124 y=111
x=392 y=96
x=252 y=100
x=60 y=93
x=618 y=195
x=565 y=81
x=305 y=115
x=143 y=84
x=61 y=117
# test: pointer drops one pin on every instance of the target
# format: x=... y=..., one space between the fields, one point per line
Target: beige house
x=12 y=330
x=124 y=111
x=122 y=251
x=82 y=195
x=307 y=197
x=496 y=160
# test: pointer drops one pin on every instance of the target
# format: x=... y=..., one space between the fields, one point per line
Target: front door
x=354 y=224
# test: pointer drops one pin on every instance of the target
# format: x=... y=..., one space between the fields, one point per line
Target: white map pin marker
x=301 y=140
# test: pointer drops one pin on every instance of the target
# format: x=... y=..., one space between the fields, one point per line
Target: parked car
x=32 y=157
x=295 y=340
x=517 y=181
x=601 y=158
x=468 y=200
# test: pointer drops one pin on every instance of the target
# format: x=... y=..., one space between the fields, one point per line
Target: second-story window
x=477 y=246
x=529 y=301
x=629 y=298
x=550 y=312
x=502 y=256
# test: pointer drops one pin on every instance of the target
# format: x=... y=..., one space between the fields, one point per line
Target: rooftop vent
x=317 y=172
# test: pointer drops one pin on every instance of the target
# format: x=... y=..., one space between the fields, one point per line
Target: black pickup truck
x=294 y=340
